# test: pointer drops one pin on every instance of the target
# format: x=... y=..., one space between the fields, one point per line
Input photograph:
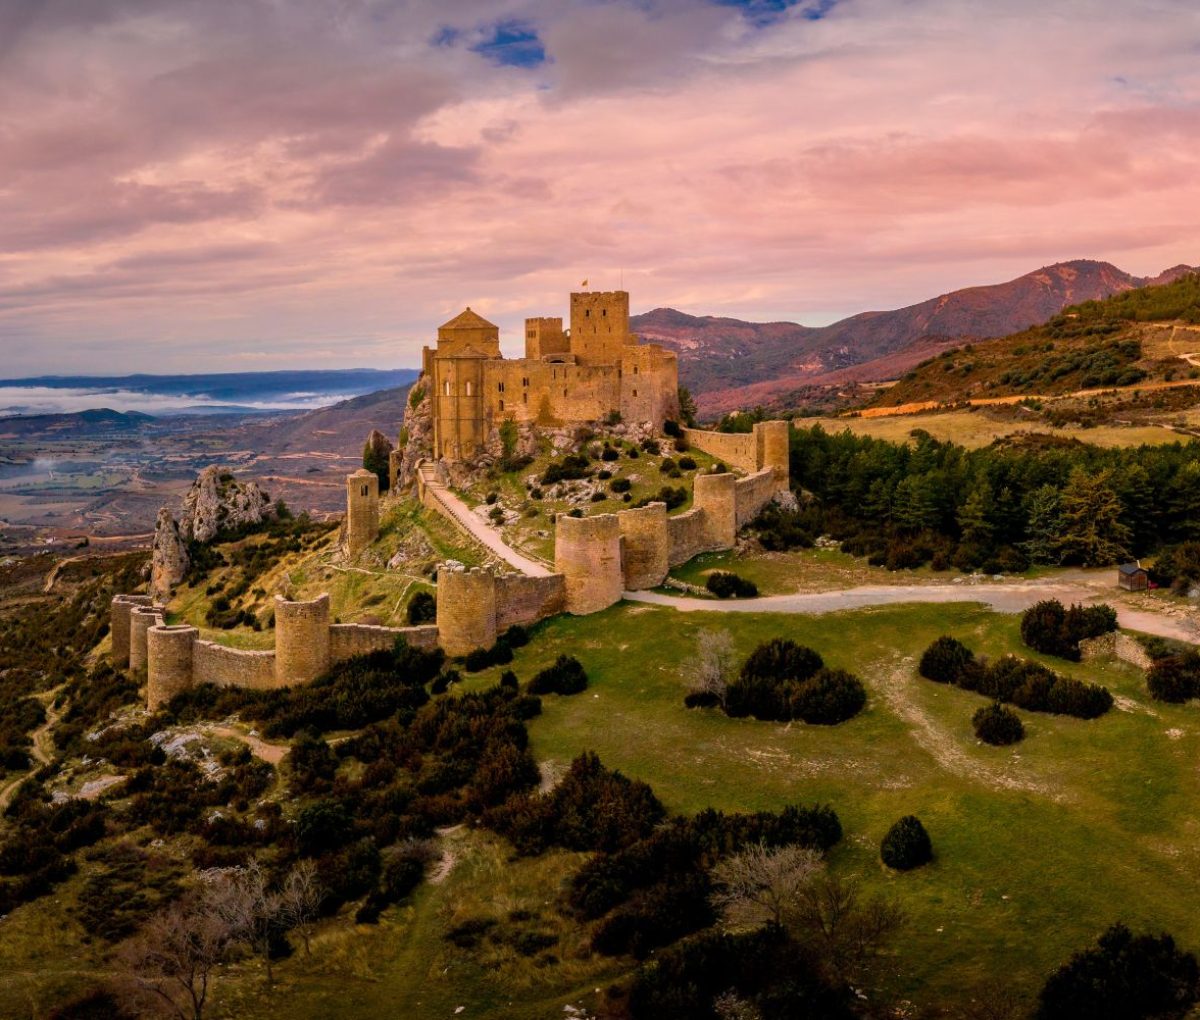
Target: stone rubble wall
x=1115 y=645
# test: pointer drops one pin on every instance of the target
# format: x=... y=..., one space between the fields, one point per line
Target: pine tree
x=1045 y=525
x=975 y=517
x=1093 y=533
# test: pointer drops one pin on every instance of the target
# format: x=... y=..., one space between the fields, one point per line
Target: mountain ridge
x=730 y=363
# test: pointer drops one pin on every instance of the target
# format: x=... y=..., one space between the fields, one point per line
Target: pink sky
x=202 y=185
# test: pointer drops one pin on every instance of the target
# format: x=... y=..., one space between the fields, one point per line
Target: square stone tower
x=600 y=326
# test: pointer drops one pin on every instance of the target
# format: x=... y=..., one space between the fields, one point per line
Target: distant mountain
x=1142 y=337
x=208 y=393
x=729 y=363
x=339 y=429
x=96 y=421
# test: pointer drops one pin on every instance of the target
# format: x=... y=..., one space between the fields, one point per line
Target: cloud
x=220 y=181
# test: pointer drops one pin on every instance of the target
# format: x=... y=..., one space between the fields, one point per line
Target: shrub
x=946 y=660
x=906 y=845
x=779 y=530
x=725 y=584
x=598 y=496
x=573 y=466
x=1049 y=628
x=652 y=446
x=1028 y=685
x=566 y=676
x=620 y=485
x=672 y=429
x=782 y=680
x=609 y=453
x=1175 y=678
x=632 y=453
x=687 y=464
x=994 y=724
x=422 y=608
x=1125 y=977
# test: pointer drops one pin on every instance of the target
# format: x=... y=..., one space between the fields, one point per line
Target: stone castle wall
x=347 y=640
x=526 y=600
x=232 y=667
x=466 y=610
x=765 y=447
x=587 y=552
x=141 y=619
x=169 y=662
x=119 y=610
x=301 y=640
x=752 y=493
x=737 y=449
x=687 y=536
x=645 y=546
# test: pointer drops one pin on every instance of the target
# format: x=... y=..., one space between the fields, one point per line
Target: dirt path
x=268 y=752
x=1005 y=598
x=943 y=746
x=459 y=513
x=41 y=748
x=917 y=407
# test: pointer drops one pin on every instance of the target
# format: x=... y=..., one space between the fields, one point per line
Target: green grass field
x=1039 y=847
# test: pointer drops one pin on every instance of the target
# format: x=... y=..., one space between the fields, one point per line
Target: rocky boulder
x=218 y=502
x=168 y=558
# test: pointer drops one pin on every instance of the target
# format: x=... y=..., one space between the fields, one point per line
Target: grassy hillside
x=1038 y=847
x=1143 y=336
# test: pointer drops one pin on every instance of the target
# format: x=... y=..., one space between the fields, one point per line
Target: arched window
x=468 y=389
x=446 y=387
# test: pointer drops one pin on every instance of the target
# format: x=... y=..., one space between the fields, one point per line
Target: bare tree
x=252 y=910
x=174 y=956
x=844 y=929
x=714 y=665
x=300 y=901
x=764 y=885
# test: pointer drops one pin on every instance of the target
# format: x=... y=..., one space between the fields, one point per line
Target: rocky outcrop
x=168 y=558
x=416 y=435
x=217 y=502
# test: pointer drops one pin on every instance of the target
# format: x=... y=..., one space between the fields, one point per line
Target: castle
x=589 y=373
x=592 y=373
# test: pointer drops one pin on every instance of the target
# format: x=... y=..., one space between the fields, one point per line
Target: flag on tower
x=584 y=284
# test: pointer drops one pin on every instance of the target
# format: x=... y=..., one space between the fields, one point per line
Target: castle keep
x=586 y=373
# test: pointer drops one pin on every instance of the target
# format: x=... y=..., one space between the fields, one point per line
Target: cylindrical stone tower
x=119 y=610
x=301 y=640
x=362 y=510
x=587 y=552
x=773 y=452
x=716 y=495
x=168 y=662
x=141 y=619
x=644 y=545
x=466 y=610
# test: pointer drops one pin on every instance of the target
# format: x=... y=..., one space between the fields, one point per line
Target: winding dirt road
x=1004 y=598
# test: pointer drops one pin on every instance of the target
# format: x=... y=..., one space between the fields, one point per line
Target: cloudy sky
x=215 y=185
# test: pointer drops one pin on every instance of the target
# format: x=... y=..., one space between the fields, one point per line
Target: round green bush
x=997 y=725
x=945 y=660
x=906 y=845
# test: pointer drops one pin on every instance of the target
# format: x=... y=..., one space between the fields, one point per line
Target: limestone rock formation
x=416 y=435
x=169 y=557
x=217 y=502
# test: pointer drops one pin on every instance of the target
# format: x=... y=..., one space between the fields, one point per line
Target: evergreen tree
x=975 y=516
x=1045 y=525
x=376 y=454
x=915 y=507
x=1093 y=533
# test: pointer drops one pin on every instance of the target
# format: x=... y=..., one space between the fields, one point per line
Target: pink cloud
x=251 y=176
